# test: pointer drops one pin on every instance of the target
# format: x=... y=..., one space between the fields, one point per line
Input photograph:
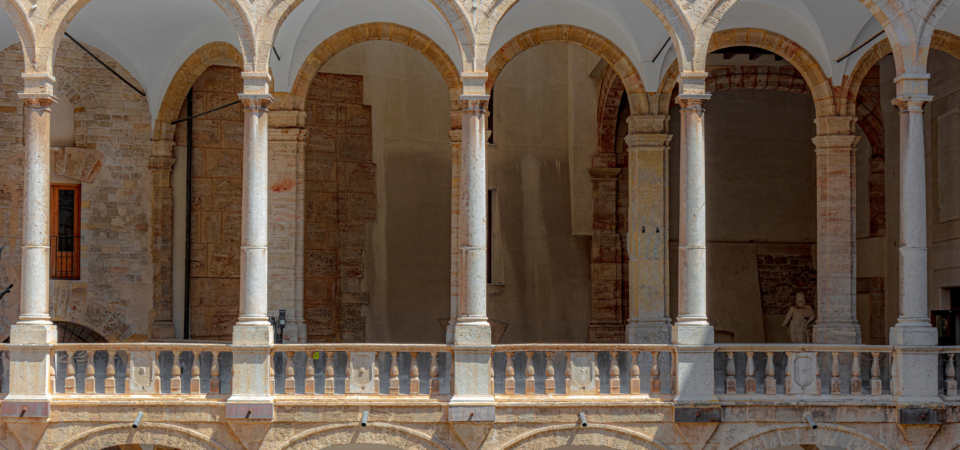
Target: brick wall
x=216 y=201
x=114 y=296
x=340 y=195
x=784 y=270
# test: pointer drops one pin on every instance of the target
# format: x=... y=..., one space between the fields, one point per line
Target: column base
x=692 y=335
x=33 y=334
x=836 y=333
x=915 y=336
x=254 y=335
x=650 y=333
x=472 y=334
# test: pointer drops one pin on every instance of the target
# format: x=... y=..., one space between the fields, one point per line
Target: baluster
x=175 y=381
x=835 y=374
x=376 y=372
x=328 y=381
x=614 y=374
x=568 y=373
x=529 y=383
x=654 y=375
x=289 y=382
x=951 y=375
x=788 y=374
x=415 y=374
x=876 y=386
x=157 y=386
x=635 y=373
x=347 y=372
x=110 y=382
x=856 y=386
x=273 y=375
x=750 y=384
x=550 y=384
x=509 y=382
x=394 y=375
x=215 y=372
x=434 y=375
x=52 y=379
x=195 y=373
x=816 y=377
x=70 y=383
x=310 y=379
x=770 y=382
x=731 y=374
x=90 y=383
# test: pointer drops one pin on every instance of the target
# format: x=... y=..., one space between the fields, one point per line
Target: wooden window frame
x=71 y=259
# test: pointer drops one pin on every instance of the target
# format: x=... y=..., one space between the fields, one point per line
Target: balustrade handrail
x=861 y=348
x=142 y=346
x=583 y=347
x=419 y=348
x=954 y=349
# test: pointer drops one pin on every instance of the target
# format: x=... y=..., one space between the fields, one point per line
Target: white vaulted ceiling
x=152 y=38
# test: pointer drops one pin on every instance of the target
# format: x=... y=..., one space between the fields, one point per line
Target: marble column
x=649 y=321
x=253 y=324
x=692 y=327
x=472 y=328
x=836 y=232
x=913 y=327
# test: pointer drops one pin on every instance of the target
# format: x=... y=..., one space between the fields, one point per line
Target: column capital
x=256 y=82
x=835 y=125
x=256 y=101
x=38 y=84
x=474 y=83
x=37 y=101
x=846 y=143
x=692 y=101
x=911 y=84
x=647 y=123
x=911 y=103
x=693 y=83
x=636 y=142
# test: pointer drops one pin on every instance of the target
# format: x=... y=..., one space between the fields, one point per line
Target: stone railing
x=638 y=371
x=361 y=369
x=948 y=373
x=141 y=369
x=766 y=372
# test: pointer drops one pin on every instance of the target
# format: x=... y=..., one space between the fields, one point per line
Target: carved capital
x=911 y=103
x=692 y=101
x=37 y=101
x=256 y=101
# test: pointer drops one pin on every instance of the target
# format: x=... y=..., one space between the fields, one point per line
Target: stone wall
x=109 y=159
x=340 y=196
x=215 y=205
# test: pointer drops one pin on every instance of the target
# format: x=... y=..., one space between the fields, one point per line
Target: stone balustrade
x=948 y=374
x=361 y=369
x=768 y=372
x=576 y=370
x=141 y=369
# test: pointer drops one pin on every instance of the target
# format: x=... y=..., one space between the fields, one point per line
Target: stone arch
x=148 y=433
x=941 y=40
x=801 y=434
x=820 y=86
x=211 y=54
x=374 y=31
x=785 y=79
x=572 y=434
x=342 y=434
x=582 y=37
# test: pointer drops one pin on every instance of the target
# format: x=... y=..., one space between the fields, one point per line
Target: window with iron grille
x=65 y=225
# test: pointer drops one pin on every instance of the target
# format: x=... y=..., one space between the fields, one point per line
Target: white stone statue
x=800 y=317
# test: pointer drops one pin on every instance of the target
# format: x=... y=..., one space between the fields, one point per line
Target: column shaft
x=253 y=241
x=913 y=326
x=35 y=270
x=455 y=144
x=649 y=321
x=472 y=327
x=836 y=239
x=692 y=326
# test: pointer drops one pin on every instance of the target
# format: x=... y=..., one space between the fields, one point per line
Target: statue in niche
x=799 y=318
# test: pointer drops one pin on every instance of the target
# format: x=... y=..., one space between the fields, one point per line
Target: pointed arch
x=801 y=434
x=379 y=433
x=376 y=31
x=582 y=37
x=211 y=54
x=911 y=44
x=463 y=31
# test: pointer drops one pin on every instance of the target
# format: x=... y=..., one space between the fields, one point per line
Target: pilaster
x=649 y=321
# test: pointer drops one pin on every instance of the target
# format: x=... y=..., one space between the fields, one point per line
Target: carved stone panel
x=142 y=366
x=805 y=379
x=583 y=374
x=361 y=373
